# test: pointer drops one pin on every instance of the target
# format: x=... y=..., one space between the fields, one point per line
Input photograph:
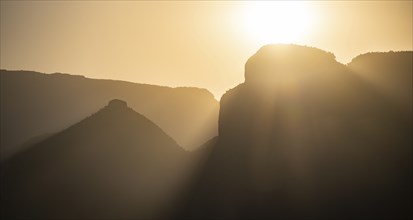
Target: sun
x=278 y=22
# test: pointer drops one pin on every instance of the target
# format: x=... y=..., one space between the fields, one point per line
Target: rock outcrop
x=306 y=137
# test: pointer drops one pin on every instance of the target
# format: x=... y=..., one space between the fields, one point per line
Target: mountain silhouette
x=34 y=104
x=306 y=137
x=390 y=74
x=115 y=164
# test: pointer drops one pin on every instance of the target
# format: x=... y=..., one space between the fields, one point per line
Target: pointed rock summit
x=100 y=168
x=117 y=103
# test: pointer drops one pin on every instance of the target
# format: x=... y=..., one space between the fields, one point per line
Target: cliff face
x=308 y=137
x=290 y=85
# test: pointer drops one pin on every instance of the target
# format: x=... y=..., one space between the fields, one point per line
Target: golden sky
x=193 y=43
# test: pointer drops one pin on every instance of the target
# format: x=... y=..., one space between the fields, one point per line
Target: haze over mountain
x=389 y=73
x=115 y=164
x=306 y=137
x=314 y=118
x=34 y=104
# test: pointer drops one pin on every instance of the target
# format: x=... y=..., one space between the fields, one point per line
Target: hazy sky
x=202 y=44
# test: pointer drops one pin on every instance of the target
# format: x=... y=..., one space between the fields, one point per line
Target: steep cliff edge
x=307 y=137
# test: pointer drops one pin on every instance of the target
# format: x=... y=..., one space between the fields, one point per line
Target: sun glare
x=278 y=22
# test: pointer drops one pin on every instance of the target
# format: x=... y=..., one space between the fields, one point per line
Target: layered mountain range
x=304 y=137
x=35 y=104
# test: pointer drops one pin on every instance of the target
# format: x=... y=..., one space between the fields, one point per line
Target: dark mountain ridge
x=306 y=137
x=389 y=73
x=115 y=164
x=33 y=104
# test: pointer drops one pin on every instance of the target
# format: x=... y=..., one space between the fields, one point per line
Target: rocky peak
x=277 y=62
x=117 y=103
